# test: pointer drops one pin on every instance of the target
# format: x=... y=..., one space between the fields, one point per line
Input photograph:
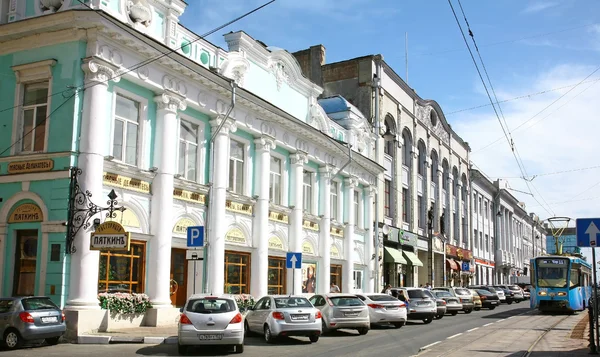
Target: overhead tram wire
x=504 y=130
x=152 y=59
x=122 y=73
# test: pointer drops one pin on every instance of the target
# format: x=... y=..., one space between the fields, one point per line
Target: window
x=307 y=195
x=481 y=240
x=237 y=273
x=125 y=137
x=211 y=305
x=356 y=205
x=276 y=282
x=480 y=207
x=188 y=150
x=334 y=200
x=387 y=198
x=475 y=204
x=422 y=213
x=476 y=241
x=236 y=166
x=33 y=117
x=405 y=205
x=485 y=209
x=487 y=243
x=122 y=271
x=358 y=279
x=275 y=180
x=335 y=275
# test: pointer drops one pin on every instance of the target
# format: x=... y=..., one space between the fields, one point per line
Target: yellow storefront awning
x=412 y=258
x=393 y=255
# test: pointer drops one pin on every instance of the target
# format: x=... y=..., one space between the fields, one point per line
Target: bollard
x=592 y=339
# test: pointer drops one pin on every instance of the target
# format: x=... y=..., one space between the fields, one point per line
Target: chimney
x=310 y=61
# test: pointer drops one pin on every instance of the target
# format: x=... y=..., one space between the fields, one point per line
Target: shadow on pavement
x=171 y=350
x=505 y=314
x=572 y=353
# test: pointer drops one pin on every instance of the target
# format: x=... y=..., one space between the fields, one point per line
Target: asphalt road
x=380 y=342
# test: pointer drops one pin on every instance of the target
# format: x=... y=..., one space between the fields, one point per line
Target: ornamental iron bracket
x=82 y=209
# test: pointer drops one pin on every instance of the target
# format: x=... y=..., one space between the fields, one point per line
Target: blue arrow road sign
x=293 y=260
x=195 y=236
x=587 y=232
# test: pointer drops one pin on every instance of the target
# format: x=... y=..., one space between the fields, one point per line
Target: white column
x=83 y=280
x=450 y=217
x=441 y=198
x=347 y=276
x=413 y=192
x=459 y=200
x=297 y=216
x=369 y=241
x=216 y=202
x=324 y=278
x=161 y=212
x=260 y=258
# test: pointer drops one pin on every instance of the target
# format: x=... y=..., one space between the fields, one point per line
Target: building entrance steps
x=149 y=335
x=531 y=335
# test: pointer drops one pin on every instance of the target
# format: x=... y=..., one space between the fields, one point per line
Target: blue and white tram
x=560 y=283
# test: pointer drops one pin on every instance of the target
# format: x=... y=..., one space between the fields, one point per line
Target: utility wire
x=554 y=172
x=121 y=73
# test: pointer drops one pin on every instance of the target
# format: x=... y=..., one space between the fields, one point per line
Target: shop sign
x=27 y=212
x=335 y=252
x=189 y=196
x=125 y=182
x=243 y=208
x=275 y=243
x=392 y=236
x=236 y=236
x=310 y=225
x=307 y=248
x=27 y=167
x=279 y=217
x=408 y=238
x=126 y=218
x=182 y=225
x=336 y=231
x=110 y=236
x=461 y=254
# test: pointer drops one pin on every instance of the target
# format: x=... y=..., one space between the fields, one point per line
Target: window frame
x=284 y=179
x=335 y=214
x=406 y=214
x=311 y=209
x=356 y=204
x=199 y=132
x=141 y=148
x=246 y=278
x=387 y=198
x=247 y=159
x=282 y=270
x=355 y=273
x=142 y=272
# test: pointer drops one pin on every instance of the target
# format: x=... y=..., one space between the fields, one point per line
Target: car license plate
x=392 y=308
x=299 y=317
x=493 y=302
x=210 y=337
x=351 y=314
x=423 y=303
x=49 y=319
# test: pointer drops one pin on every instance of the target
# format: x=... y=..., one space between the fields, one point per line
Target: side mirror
x=181 y=309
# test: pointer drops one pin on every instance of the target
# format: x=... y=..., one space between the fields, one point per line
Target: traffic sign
x=195 y=236
x=293 y=260
x=587 y=231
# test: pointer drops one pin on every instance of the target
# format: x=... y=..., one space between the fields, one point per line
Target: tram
x=560 y=283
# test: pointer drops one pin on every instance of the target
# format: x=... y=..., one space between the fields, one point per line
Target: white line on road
x=491 y=323
x=429 y=345
x=500 y=320
x=451 y=337
x=473 y=329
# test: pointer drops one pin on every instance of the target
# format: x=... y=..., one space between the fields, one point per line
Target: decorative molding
x=229 y=127
x=278 y=69
x=110 y=54
x=100 y=71
x=235 y=67
x=302 y=145
x=50 y=6
x=140 y=13
x=174 y=85
x=351 y=182
x=170 y=102
x=299 y=158
x=267 y=129
x=326 y=172
x=265 y=143
x=35 y=71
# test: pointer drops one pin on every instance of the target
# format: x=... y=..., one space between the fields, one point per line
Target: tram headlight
x=562 y=293
x=542 y=293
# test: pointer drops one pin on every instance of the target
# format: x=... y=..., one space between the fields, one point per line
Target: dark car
x=489 y=300
x=510 y=295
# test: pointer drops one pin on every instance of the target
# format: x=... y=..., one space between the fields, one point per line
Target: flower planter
x=123 y=310
x=114 y=320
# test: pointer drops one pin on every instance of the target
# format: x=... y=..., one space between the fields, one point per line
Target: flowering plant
x=124 y=303
x=244 y=301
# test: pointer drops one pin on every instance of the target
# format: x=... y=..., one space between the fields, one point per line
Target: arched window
x=445 y=175
x=407 y=149
x=389 y=145
x=434 y=167
x=455 y=182
x=422 y=170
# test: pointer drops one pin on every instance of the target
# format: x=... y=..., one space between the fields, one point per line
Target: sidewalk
x=149 y=335
x=527 y=335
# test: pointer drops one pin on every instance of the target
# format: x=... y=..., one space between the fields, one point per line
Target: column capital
x=326 y=171
x=370 y=191
x=265 y=143
x=299 y=158
x=170 y=102
x=351 y=182
x=99 y=70
x=229 y=127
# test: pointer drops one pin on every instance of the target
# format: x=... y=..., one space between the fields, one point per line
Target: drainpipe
x=210 y=187
x=347 y=162
x=377 y=84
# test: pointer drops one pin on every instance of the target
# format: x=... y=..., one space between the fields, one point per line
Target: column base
x=161 y=304
x=165 y=316
x=80 y=322
x=75 y=305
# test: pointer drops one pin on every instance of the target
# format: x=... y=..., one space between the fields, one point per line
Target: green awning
x=412 y=258
x=392 y=255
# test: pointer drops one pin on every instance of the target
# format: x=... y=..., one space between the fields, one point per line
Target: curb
x=105 y=340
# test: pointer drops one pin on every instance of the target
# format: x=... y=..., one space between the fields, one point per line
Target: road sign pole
x=294 y=281
x=195 y=261
x=595 y=292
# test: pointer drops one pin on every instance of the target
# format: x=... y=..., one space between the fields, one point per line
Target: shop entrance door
x=25 y=263
x=179 y=276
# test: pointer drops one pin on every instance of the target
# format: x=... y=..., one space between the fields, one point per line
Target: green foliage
x=125 y=303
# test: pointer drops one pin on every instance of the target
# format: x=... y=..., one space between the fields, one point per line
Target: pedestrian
x=388 y=289
x=334 y=288
x=428 y=286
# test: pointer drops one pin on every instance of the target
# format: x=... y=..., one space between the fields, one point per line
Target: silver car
x=29 y=319
x=384 y=309
x=420 y=305
x=440 y=303
x=453 y=305
x=210 y=320
x=275 y=316
x=342 y=311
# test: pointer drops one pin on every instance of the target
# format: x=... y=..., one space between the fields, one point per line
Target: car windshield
x=5 y=305
x=413 y=294
x=382 y=298
x=32 y=304
x=211 y=305
x=345 y=301
x=484 y=292
x=429 y=293
x=294 y=302
x=442 y=294
x=461 y=291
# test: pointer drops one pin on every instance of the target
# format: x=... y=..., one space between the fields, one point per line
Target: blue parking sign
x=195 y=236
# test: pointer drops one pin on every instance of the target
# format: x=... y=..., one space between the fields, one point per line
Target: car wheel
x=12 y=339
x=509 y=302
x=454 y=313
x=181 y=349
x=313 y=338
x=428 y=320
x=477 y=308
x=468 y=311
x=363 y=331
x=267 y=334
x=324 y=328
x=439 y=317
x=247 y=331
x=52 y=340
x=239 y=348
x=398 y=324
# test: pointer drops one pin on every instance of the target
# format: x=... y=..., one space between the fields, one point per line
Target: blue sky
x=527 y=47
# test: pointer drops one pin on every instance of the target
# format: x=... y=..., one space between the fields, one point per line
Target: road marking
x=429 y=345
x=510 y=317
x=500 y=320
x=473 y=329
x=451 y=337
x=491 y=323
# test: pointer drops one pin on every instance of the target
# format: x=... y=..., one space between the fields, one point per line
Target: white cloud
x=566 y=139
x=539 y=6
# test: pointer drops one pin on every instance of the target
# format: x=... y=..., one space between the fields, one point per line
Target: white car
x=384 y=308
x=210 y=320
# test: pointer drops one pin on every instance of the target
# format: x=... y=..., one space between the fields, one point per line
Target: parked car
x=527 y=292
x=508 y=294
x=500 y=293
x=342 y=311
x=420 y=305
x=32 y=318
x=384 y=308
x=453 y=305
x=517 y=292
x=476 y=300
x=275 y=316
x=463 y=295
x=440 y=303
x=210 y=320
x=489 y=300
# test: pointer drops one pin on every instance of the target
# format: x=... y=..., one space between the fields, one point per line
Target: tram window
x=574 y=279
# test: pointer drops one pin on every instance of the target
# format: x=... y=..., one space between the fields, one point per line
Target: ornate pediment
x=431 y=115
x=235 y=67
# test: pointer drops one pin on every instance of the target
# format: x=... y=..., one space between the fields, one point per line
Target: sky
x=542 y=58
